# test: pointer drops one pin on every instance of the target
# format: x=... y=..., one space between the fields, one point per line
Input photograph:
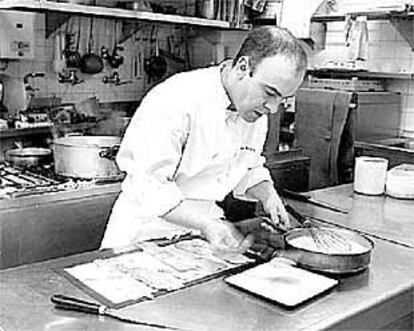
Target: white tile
x=408 y=121
x=398 y=85
x=336 y=26
x=387 y=32
x=409 y=103
x=408 y=133
x=410 y=89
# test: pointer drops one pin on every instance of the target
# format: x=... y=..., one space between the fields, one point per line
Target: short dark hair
x=266 y=41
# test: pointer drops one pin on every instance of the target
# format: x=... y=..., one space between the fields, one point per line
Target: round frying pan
x=299 y=246
x=329 y=261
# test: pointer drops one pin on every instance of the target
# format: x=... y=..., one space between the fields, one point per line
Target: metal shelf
x=45 y=130
x=371 y=15
x=70 y=8
x=359 y=74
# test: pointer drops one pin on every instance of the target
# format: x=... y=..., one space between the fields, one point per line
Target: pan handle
x=283 y=256
x=303 y=220
x=109 y=152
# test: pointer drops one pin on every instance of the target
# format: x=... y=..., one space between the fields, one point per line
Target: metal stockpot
x=86 y=156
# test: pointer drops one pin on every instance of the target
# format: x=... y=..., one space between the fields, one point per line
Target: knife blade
x=307 y=198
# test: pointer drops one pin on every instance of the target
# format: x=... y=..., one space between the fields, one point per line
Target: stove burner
x=18 y=181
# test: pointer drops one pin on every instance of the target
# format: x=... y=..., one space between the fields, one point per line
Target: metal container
x=329 y=261
x=86 y=156
x=29 y=156
x=344 y=263
x=205 y=8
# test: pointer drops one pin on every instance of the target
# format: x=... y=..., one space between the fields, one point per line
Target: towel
x=321 y=117
x=356 y=35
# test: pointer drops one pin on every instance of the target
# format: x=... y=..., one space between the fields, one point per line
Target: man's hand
x=272 y=204
x=224 y=236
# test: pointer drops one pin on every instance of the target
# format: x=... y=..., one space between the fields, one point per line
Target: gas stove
x=18 y=181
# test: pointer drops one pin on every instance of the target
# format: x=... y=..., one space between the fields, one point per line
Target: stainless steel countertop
x=369 y=300
x=381 y=216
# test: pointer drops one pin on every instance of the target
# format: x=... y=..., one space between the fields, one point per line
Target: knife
x=75 y=304
x=307 y=198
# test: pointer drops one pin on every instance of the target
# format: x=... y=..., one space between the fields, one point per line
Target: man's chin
x=251 y=117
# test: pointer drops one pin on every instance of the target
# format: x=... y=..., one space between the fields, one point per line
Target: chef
x=198 y=136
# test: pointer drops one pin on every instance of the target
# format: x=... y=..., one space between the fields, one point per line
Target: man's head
x=268 y=67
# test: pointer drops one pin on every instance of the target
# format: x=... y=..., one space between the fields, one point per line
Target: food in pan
x=307 y=242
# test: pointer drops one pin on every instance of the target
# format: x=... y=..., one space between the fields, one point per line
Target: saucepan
x=28 y=156
x=302 y=247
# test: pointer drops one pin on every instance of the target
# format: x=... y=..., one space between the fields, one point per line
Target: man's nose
x=271 y=106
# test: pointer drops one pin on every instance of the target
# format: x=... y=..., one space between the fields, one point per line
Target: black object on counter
x=75 y=304
x=306 y=198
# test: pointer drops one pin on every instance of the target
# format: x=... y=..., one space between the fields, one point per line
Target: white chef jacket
x=183 y=143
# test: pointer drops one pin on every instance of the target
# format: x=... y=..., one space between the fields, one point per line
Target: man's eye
x=270 y=93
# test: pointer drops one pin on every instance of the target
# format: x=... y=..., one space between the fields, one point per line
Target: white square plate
x=282 y=283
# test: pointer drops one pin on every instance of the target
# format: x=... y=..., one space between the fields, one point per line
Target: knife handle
x=295 y=195
x=71 y=303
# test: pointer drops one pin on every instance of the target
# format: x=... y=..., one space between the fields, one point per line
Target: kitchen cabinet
x=37 y=228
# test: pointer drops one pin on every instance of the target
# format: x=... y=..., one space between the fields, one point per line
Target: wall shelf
x=371 y=15
x=46 y=130
x=332 y=73
x=70 y=8
x=403 y=21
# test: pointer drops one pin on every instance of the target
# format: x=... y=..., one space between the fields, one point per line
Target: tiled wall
x=388 y=52
x=103 y=34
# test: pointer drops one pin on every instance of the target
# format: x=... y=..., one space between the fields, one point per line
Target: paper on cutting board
x=114 y=285
x=136 y=275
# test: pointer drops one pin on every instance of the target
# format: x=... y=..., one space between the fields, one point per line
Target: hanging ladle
x=91 y=63
x=156 y=65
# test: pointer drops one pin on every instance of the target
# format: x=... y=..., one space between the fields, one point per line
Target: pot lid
x=29 y=151
x=88 y=141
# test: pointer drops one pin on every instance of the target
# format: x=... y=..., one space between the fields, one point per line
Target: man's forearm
x=261 y=191
x=193 y=214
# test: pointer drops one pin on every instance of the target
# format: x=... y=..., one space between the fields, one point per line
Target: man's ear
x=242 y=66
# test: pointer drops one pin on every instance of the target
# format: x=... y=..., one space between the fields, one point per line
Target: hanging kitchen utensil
x=72 y=55
x=91 y=63
x=59 y=61
x=116 y=59
x=104 y=50
x=156 y=65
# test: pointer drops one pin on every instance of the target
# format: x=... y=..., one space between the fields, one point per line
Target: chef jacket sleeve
x=151 y=152
x=256 y=172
